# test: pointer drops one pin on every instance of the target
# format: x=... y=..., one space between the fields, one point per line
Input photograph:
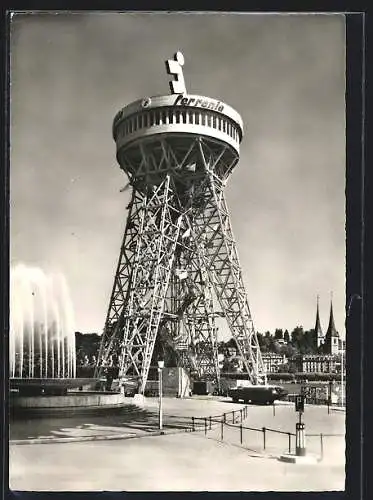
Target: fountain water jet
x=42 y=329
x=42 y=359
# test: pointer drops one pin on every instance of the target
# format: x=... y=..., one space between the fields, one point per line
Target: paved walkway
x=179 y=462
x=174 y=462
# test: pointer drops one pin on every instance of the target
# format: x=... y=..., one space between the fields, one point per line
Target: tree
x=163 y=350
x=274 y=346
x=230 y=365
x=259 y=336
x=87 y=344
x=221 y=347
x=279 y=334
x=264 y=342
x=231 y=343
x=297 y=337
x=288 y=350
x=286 y=336
x=309 y=342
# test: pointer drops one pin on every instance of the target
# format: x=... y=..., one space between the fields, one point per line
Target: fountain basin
x=70 y=403
x=47 y=386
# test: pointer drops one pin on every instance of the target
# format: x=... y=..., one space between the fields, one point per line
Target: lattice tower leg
x=147 y=274
x=118 y=305
x=214 y=239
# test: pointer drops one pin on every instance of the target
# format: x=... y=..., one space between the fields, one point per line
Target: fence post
x=321 y=446
x=233 y=417
x=205 y=426
x=241 y=433
x=241 y=415
x=224 y=417
x=289 y=438
x=193 y=428
x=222 y=430
x=264 y=438
x=210 y=422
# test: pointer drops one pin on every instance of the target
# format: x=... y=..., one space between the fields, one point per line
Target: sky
x=285 y=75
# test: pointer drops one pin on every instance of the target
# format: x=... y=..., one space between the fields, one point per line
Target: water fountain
x=42 y=357
x=42 y=333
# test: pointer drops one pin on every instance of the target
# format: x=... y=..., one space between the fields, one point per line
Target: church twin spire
x=331 y=331
x=329 y=340
x=318 y=329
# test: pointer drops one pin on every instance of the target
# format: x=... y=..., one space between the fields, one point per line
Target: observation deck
x=178 y=115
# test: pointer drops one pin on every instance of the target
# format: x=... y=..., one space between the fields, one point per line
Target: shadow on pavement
x=110 y=421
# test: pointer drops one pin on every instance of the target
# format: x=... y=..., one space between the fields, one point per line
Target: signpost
x=300 y=456
x=299 y=403
x=300 y=437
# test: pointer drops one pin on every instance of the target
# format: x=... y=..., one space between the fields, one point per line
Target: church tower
x=318 y=330
x=331 y=336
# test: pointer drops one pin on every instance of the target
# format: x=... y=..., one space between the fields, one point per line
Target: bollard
x=274 y=409
x=210 y=423
x=241 y=433
x=241 y=415
x=205 y=426
x=233 y=417
x=264 y=438
x=321 y=446
x=289 y=439
x=222 y=430
x=225 y=417
x=193 y=428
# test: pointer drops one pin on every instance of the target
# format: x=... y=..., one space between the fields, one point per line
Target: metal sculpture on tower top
x=178 y=266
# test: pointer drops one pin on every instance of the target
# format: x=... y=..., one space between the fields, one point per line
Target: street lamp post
x=160 y=371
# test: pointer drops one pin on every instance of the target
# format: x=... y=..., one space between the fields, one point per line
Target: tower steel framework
x=178 y=261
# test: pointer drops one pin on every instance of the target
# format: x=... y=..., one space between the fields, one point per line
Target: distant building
x=332 y=342
x=342 y=345
x=273 y=361
x=317 y=363
x=329 y=346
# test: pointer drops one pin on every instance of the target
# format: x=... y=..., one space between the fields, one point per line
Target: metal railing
x=327 y=402
x=220 y=427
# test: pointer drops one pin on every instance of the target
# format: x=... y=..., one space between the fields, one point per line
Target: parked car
x=258 y=394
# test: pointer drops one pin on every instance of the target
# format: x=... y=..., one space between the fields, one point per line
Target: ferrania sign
x=198 y=103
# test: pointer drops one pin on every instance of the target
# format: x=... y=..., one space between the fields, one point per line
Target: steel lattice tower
x=178 y=260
